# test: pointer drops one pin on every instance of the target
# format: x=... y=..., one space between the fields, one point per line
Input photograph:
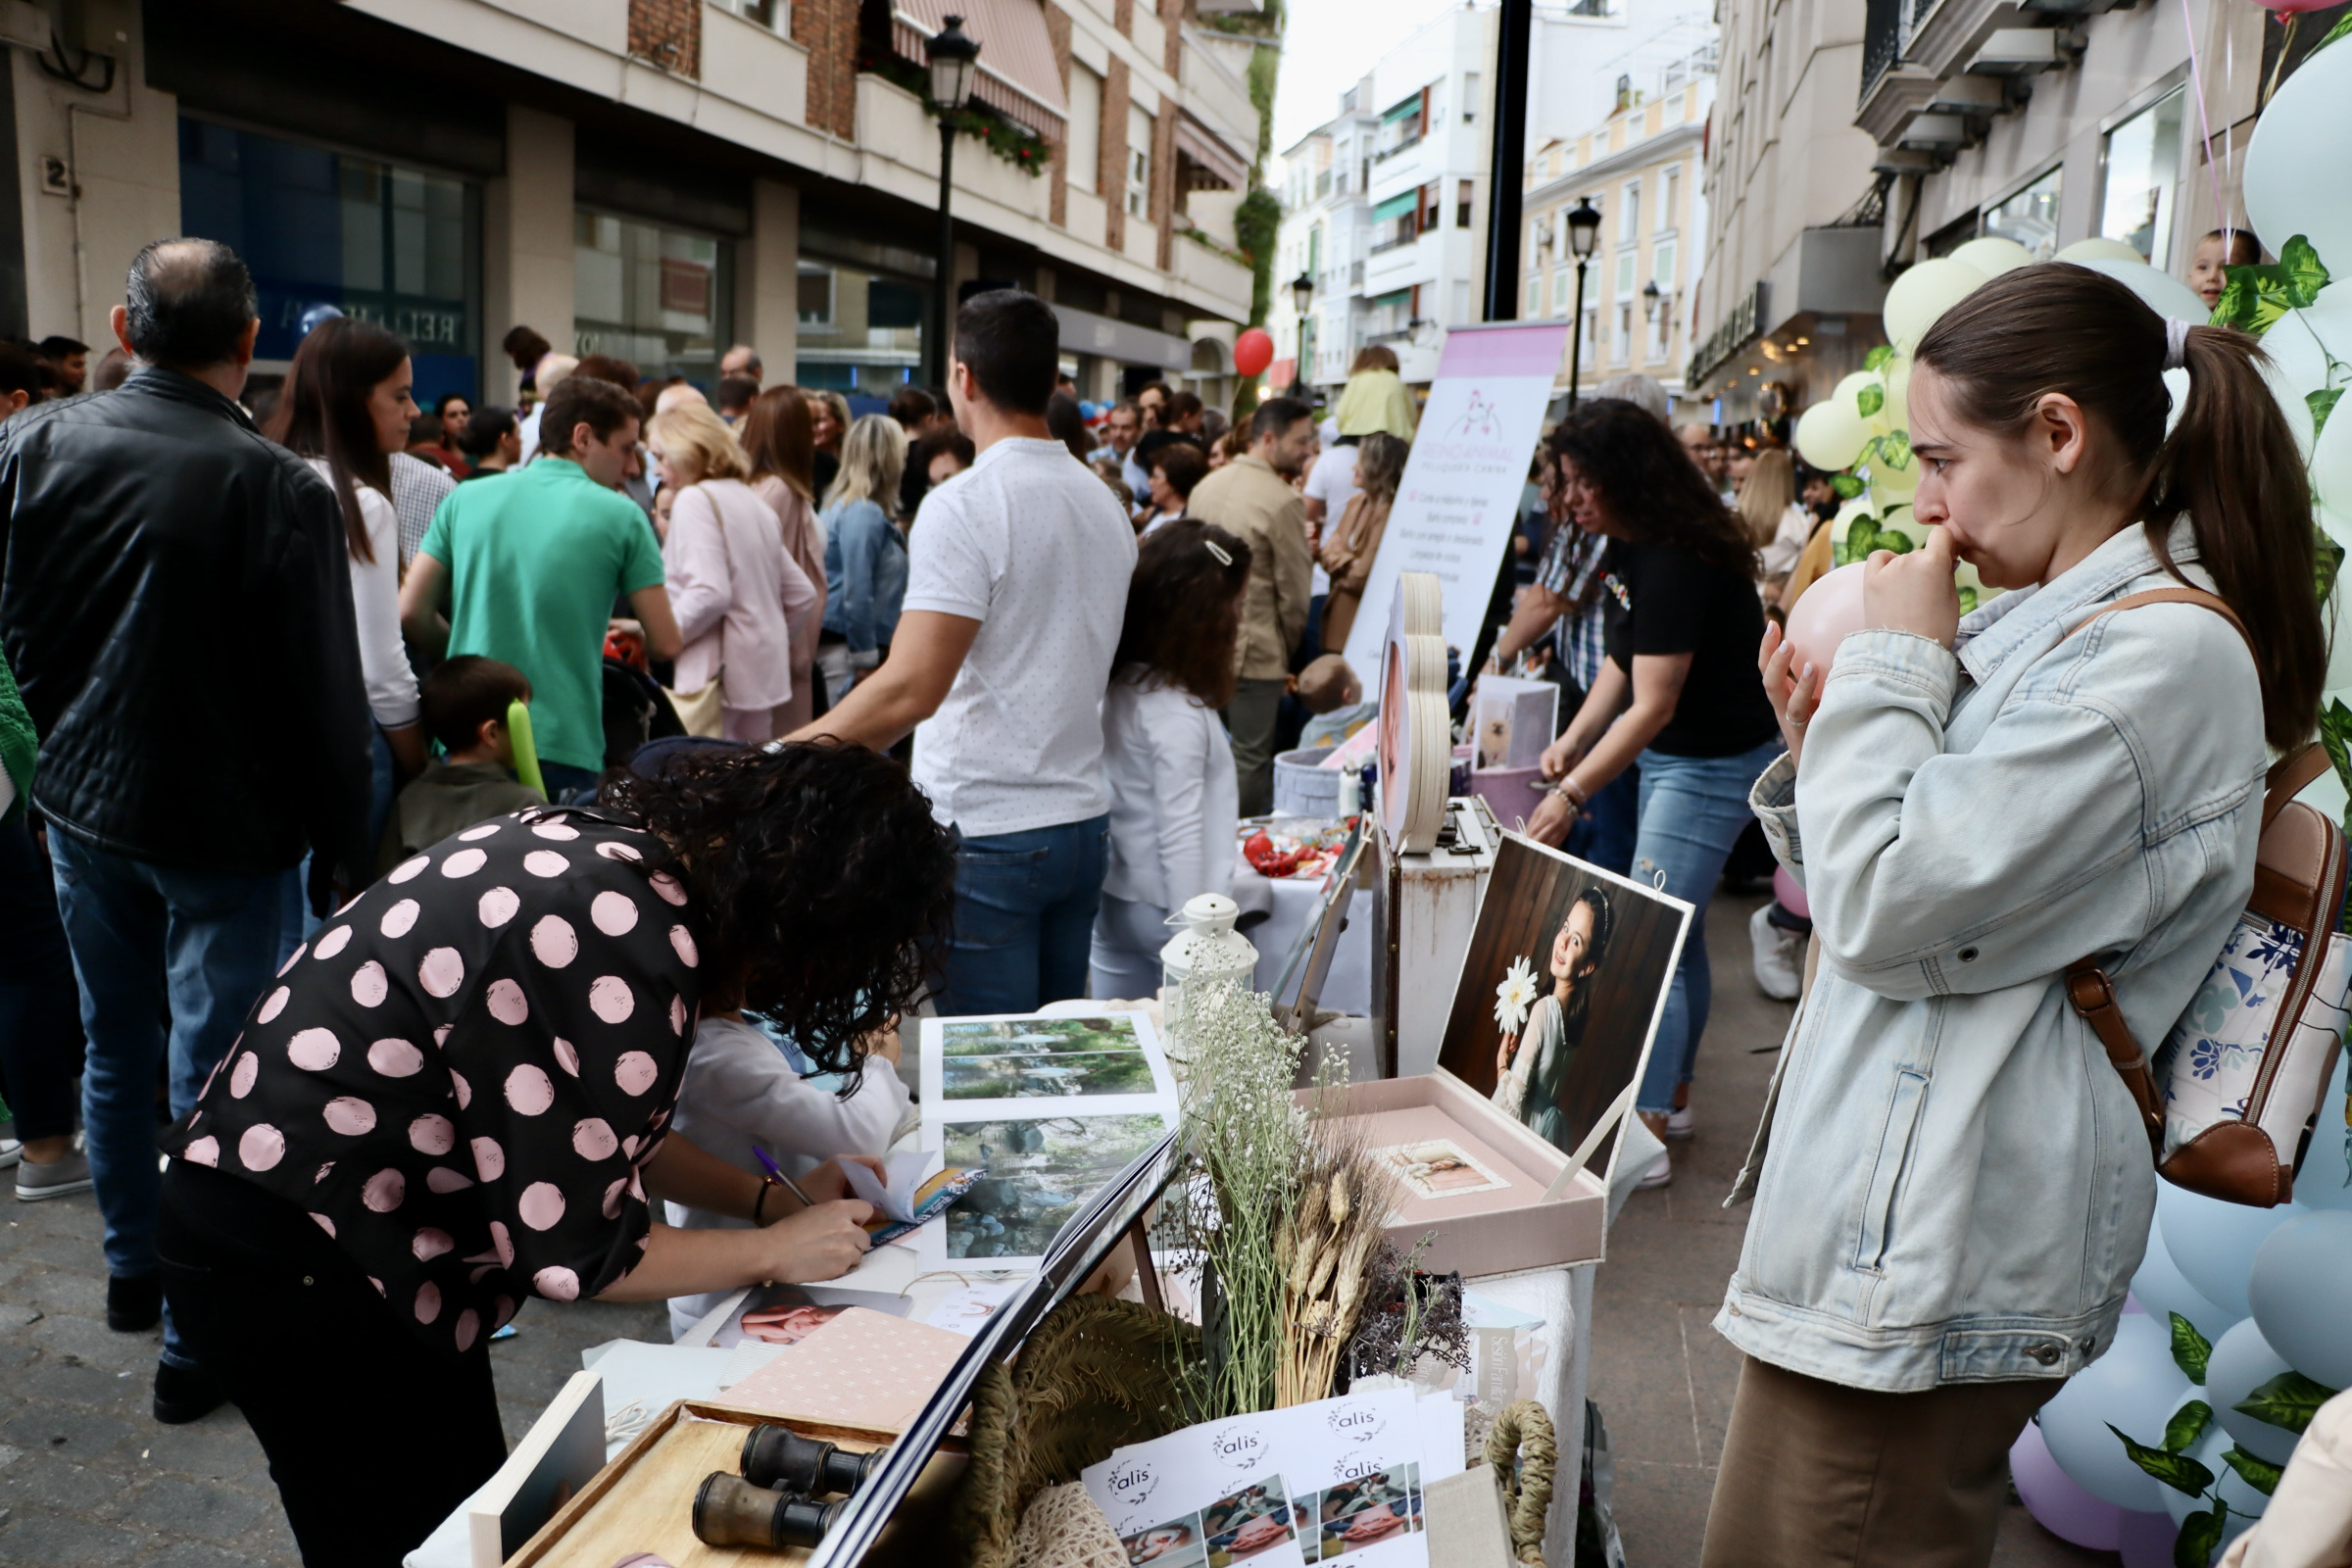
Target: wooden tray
x=644 y=1500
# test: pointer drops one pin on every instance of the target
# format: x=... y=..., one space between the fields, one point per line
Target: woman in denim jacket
x=1958 y=1187
x=865 y=554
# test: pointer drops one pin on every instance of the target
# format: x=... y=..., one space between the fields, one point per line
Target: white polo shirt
x=1030 y=544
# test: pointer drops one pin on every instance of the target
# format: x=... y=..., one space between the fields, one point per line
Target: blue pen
x=776 y=1172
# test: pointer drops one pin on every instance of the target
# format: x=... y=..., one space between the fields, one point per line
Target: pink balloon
x=2052 y=1496
x=1823 y=615
x=1791 y=896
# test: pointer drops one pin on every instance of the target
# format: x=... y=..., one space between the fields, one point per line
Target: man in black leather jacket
x=176 y=602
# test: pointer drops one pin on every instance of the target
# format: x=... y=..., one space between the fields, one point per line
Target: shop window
x=376 y=241
x=2140 y=167
x=654 y=296
x=2030 y=216
x=861 y=331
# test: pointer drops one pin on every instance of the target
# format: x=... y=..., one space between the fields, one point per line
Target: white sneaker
x=11 y=1150
x=1659 y=1174
x=1679 y=1124
x=1779 y=957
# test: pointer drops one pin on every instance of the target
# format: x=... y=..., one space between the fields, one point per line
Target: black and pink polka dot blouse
x=461 y=1075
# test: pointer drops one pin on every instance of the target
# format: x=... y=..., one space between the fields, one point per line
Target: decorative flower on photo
x=1514 y=995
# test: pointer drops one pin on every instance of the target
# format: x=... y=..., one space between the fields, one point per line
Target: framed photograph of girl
x=1562 y=991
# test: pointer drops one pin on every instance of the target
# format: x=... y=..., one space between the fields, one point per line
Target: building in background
x=1400 y=255
x=1641 y=170
x=651 y=178
x=2048 y=123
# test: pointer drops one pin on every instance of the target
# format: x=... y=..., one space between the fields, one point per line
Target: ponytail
x=2231 y=464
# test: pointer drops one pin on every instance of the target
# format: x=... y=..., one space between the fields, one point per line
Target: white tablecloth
x=1348 y=987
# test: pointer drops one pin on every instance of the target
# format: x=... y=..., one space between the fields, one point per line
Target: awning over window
x=1217 y=166
x=1406 y=110
x=1018 y=77
x=1395 y=207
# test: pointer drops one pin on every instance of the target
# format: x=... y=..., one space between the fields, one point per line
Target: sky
x=1331 y=44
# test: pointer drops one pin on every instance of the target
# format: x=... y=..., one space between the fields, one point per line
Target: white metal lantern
x=1207 y=949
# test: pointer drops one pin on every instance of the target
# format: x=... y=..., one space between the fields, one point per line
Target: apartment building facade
x=1400 y=254
x=2046 y=122
x=653 y=179
x=1641 y=171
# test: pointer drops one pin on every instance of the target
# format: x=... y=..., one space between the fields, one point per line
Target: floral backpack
x=2235 y=1087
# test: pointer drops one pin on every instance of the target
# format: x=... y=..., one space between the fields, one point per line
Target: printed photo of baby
x=1247 y=1523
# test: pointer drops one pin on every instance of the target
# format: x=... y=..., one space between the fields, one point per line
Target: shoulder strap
x=2092 y=997
x=2182 y=595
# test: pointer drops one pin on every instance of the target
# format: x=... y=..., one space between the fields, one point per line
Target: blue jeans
x=1604 y=832
x=1692 y=809
x=147 y=941
x=1024 y=918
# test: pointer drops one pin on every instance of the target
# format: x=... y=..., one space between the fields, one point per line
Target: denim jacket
x=865 y=578
x=1958 y=1187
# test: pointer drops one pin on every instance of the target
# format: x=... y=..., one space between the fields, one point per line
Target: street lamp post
x=1583 y=232
x=950 y=52
x=1302 y=295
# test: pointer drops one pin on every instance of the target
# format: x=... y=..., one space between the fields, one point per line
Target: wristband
x=1569 y=790
x=759 y=1203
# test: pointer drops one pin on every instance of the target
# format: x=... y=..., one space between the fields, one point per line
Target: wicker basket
x=1097 y=1373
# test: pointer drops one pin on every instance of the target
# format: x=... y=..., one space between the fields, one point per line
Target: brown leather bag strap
x=2183 y=595
x=2089 y=990
x=2289 y=777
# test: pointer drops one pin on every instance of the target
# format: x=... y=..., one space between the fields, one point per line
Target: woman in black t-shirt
x=1678 y=693
x=458 y=1094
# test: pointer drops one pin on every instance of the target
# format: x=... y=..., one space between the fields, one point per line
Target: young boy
x=2224 y=247
x=1328 y=688
x=465 y=708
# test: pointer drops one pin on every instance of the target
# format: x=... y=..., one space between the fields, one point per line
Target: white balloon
x=2214 y=1242
x=2246 y=1503
x=2326 y=1179
x=2163 y=293
x=2163 y=1290
x=1830 y=434
x=2285 y=194
x=2242 y=1361
x=1897 y=372
x=2296 y=365
x=2134 y=1387
x=1922 y=294
x=1993 y=255
x=2302 y=1295
x=2084 y=251
x=2331 y=459
x=1853 y=385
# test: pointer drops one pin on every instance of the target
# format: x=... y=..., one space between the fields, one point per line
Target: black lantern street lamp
x=1302 y=295
x=1583 y=232
x=950 y=52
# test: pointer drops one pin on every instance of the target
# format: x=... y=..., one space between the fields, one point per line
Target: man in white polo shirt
x=1015 y=592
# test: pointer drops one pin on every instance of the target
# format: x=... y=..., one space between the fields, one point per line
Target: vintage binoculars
x=778 y=1456
x=730 y=1511
x=772 y=1502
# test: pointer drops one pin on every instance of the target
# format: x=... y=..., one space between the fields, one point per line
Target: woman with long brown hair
x=1348 y=548
x=780 y=442
x=1959 y=1189
x=1175 y=802
x=346 y=408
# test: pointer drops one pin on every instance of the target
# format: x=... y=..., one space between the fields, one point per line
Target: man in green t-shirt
x=534 y=561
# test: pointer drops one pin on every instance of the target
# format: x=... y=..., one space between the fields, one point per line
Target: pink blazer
x=737 y=593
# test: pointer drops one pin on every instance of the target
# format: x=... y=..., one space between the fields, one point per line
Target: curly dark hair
x=1650 y=482
x=1184 y=607
x=820 y=886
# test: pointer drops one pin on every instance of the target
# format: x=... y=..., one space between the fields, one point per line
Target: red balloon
x=1253 y=352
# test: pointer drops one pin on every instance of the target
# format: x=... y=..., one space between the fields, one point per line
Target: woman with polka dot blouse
x=457 y=1096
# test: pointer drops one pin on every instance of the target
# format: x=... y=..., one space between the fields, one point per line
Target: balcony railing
x=1882 y=42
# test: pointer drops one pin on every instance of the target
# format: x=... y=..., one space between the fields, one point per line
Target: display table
x=1348 y=987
